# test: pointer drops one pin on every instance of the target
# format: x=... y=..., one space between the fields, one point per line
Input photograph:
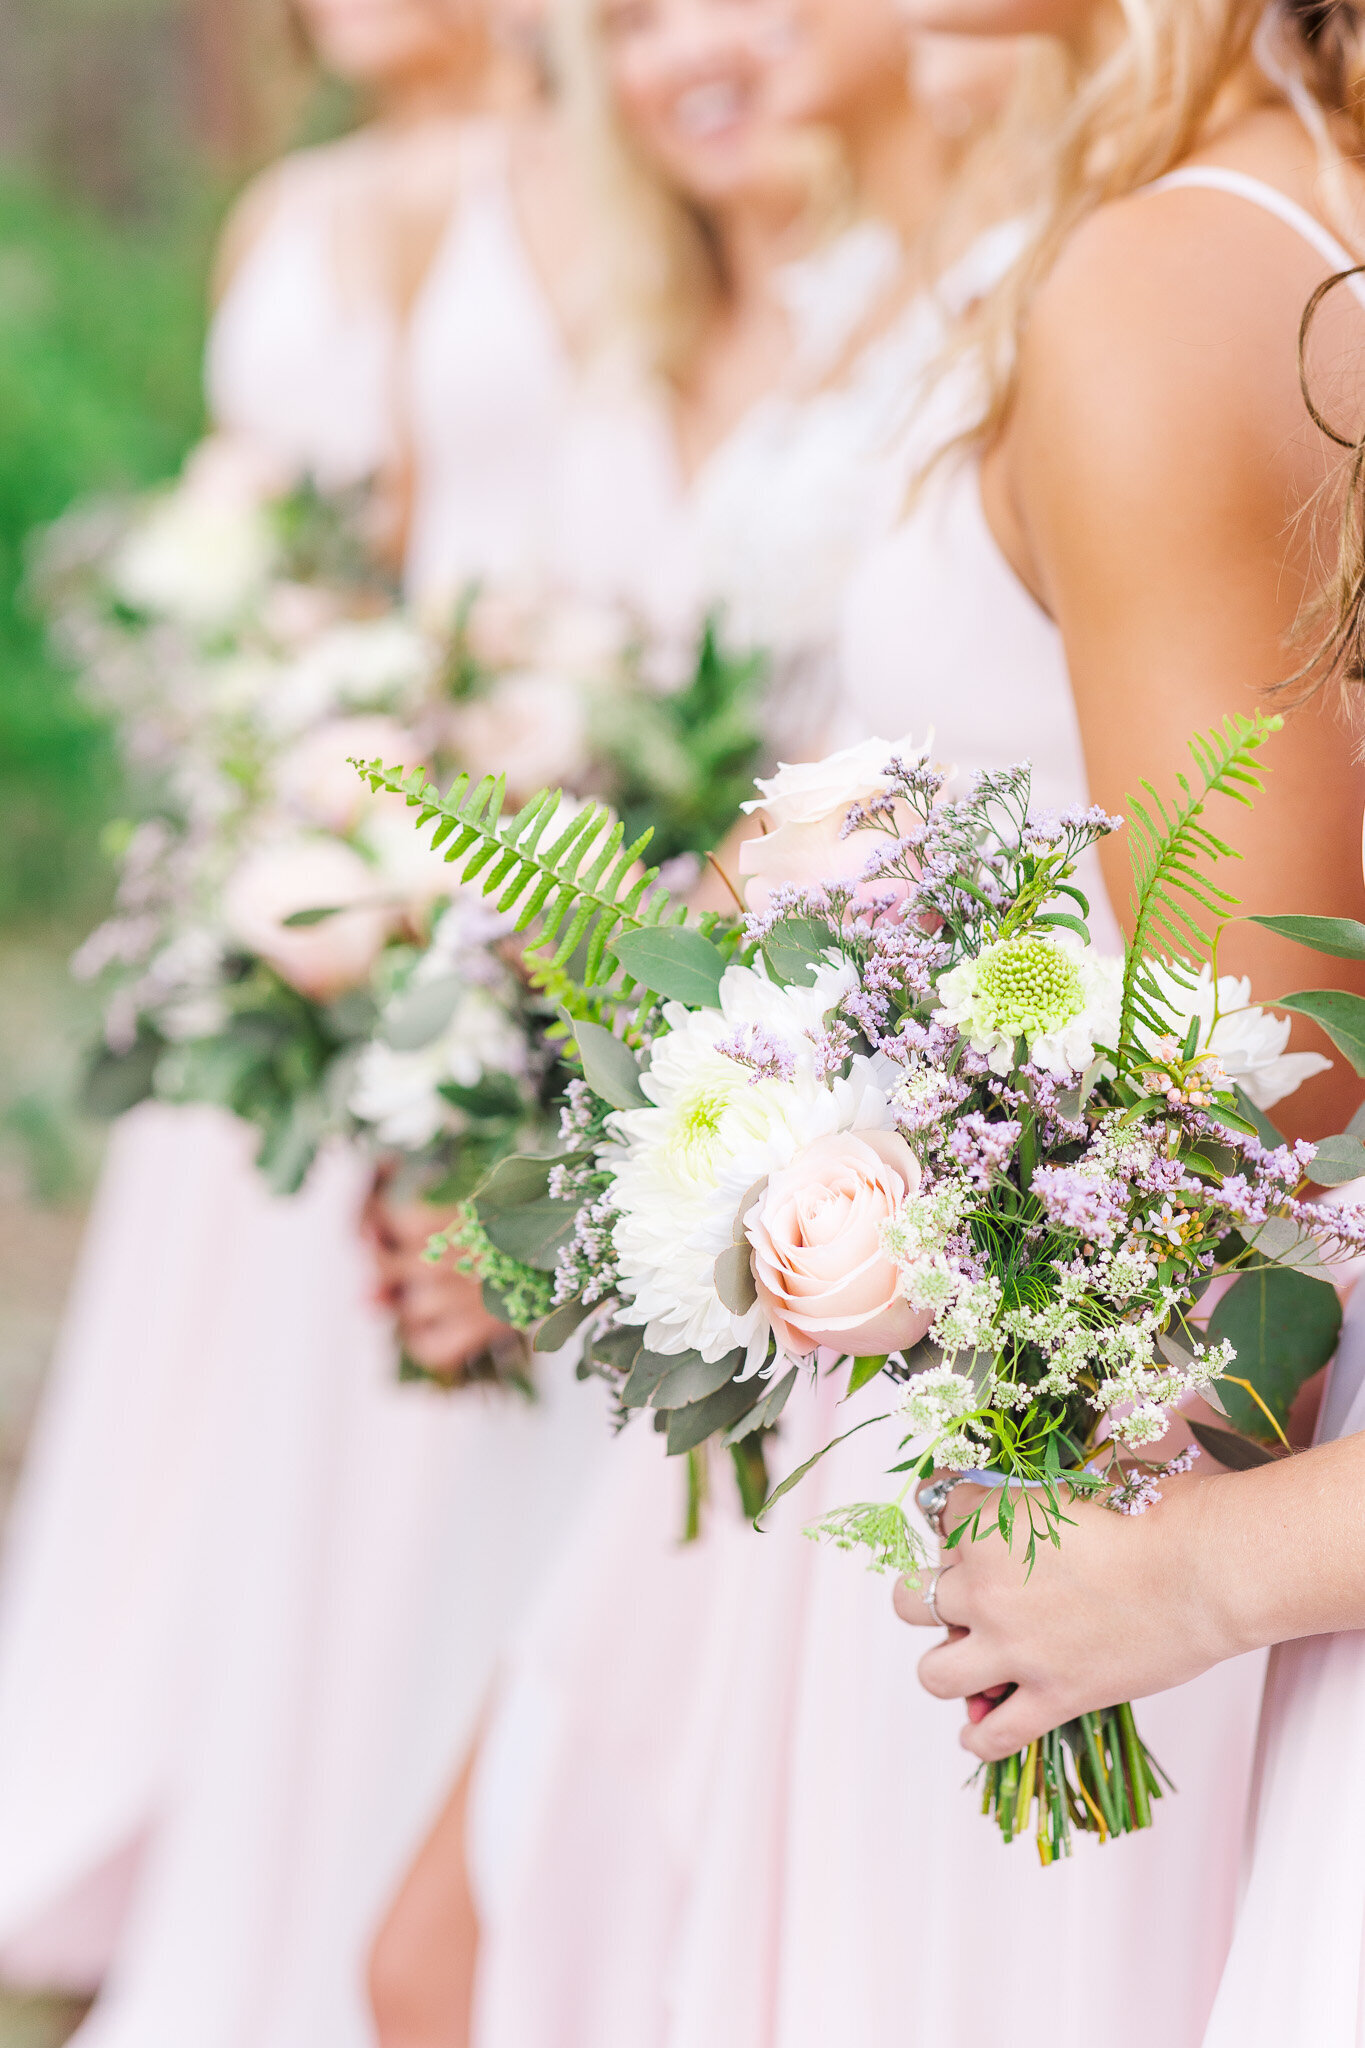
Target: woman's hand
x=1116 y=1611
x=442 y=1322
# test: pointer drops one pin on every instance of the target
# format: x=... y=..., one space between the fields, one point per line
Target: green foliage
x=520 y=1294
x=685 y=759
x=1337 y=1012
x=1170 y=848
x=101 y=328
x=573 y=889
x=1284 y=1327
x=878 y=1527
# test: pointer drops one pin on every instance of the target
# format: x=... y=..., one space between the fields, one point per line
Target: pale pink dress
x=255 y=1588
x=715 y=1808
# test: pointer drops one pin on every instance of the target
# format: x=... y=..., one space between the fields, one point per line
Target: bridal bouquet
x=281 y=944
x=907 y=1116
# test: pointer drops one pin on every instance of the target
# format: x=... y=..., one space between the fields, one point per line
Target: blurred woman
x=765 y=1839
x=255 y=1587
x=727 y=139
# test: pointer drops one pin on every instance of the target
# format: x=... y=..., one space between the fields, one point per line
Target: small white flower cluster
x=942 y=1405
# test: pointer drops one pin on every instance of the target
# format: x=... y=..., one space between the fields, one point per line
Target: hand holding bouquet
x=907 y=1116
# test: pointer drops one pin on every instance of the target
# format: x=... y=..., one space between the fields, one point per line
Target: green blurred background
x=125 y=128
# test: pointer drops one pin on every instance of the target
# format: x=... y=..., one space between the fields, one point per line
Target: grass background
x=125 y=127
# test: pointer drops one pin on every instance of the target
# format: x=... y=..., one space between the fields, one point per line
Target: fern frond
x=1171 y=849
x=573 y=890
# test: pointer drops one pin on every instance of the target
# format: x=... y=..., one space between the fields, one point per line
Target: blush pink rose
x=321 y=960
x=818 y=1261
x=804 y=807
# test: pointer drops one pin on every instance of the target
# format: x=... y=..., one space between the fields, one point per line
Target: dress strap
x=1217 y=178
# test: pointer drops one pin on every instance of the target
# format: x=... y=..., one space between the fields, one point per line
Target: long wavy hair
x=1130 y=107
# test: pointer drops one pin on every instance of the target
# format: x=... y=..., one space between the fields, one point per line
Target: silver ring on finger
x=933 y=1499
x=930 y=1595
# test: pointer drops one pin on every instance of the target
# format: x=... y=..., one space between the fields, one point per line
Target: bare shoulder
x=1163 y=348
x=304 y=177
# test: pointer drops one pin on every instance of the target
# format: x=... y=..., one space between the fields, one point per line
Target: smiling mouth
x=710 y=109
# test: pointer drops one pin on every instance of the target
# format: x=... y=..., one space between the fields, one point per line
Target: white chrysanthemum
x=193 y=558
x=399 y=1092
x=1248 y=1042
x=711 y=1132
x=1052 y=990
x=385 y=662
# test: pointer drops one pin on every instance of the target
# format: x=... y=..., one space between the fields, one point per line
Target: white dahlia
x=713 y=1130
x=1249 y=1043
x=1050 y=989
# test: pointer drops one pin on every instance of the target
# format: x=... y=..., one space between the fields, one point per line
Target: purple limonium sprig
x=982 y=1148
x=762 y=1051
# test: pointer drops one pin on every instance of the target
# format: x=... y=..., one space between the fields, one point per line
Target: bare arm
x=1154 y=488
x=1128 y=1606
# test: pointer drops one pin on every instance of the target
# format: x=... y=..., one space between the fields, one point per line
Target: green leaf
x=1171 y=849
x=520 y=1179
x=864 y=1369
x=116 y=1081
x=673 y=962
x=421 y=1014
x=767 y=1411
x=1342 y=937
x=533 y=1234
x=735 y=1279
x=1338 y=1160
x=689 y=1427
x=1238 y=1453
x=1340 y=1014
x=610 y=1068
x=560 y=1325
x=301 y=920
x=1284 y=1328
x=692 y=1379
x=794 y=1478
x=646 y=1370
x=793 y=949
x=1286 y=1243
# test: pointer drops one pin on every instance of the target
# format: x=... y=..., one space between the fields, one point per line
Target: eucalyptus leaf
x=793 y=948
x=1356 y=1127
x=1343 y=937
x=1238 y=1453
x=533 y=1234
x=421 y=1014
x=735 y=1279
x=1284 y=1327
x=610 y=1068
x=1286 y=1243
x=521 y=1178
x=689 y=1427
x=116 y=1081
x=693 y=1379
x=302 y=920
x=560 y=1324
x=671 y=961
x=1338 y=1160
x=647 y=1369
x=1340 y=1014
x=767 y=1411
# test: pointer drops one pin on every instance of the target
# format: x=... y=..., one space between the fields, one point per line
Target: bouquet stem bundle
x=1095 y=1774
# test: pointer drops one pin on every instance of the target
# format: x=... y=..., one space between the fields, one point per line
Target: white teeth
x=708 y=109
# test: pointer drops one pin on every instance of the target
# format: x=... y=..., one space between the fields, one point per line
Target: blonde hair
x=663 y=279
x=1125 y=111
